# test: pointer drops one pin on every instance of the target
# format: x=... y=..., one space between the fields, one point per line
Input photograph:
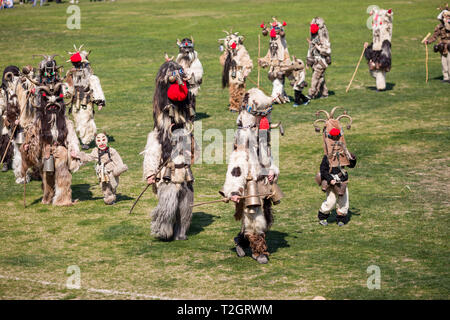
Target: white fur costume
x=191 y=64
x=249 y=166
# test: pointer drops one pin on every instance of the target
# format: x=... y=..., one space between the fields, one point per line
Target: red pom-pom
x=262 y=25
x=233 y=45
x=43 y=94
x=314 y=28
x=284 y=23
x=273 y=33
x=264 y=124
x=177 y=92
x=76 y=57
x=33 y=90
x=61 y=95
x=335 y=132
x=274 y=24
x=390 y=11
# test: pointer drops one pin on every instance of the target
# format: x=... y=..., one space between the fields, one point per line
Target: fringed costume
x=108 y=168
x=442 y=32
x=318 y=57
x=168 y=153
x=378 y=53
x=237 y=65
x=253 y=174
x=332 y=177
x=277 y=58
x=51 y=138
x=188 y=59
x=84 y=89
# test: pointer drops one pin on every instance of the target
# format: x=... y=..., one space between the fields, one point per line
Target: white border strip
x=103 y=291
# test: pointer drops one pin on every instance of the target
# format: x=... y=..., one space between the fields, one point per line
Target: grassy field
x=398 y=191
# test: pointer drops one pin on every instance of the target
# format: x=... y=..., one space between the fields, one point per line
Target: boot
x=323 y=218
x=5 y=167
x=262 y=258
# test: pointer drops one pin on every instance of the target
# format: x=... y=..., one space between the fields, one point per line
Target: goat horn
x=53 y=56
x=334 y=109
x=192 y=39
x=316 y=127
x=346 y=116
x=45 y=88
x=323 y=111
x=226 y=32
x=8 y=76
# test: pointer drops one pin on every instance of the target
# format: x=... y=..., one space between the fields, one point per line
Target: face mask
x=101 y=140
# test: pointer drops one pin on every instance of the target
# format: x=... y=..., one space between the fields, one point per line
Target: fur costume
x=170 y=148
x=318 y=57
x=84 y=89
x=50 y=138
x=277 y=58
x=188 y=59
x=249 y=166
x=108 y=168
x=378 y=53
x=237 y=65
x=332 y=177
x=442 y=32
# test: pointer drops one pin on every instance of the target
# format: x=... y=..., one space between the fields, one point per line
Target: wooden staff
x=148 y=185
x=357 y=66
x=14 y=130
x=259 y=55
x=228 y=199
x=426 y=56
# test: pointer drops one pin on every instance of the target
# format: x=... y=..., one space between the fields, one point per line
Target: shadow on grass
x=200 y=220
x=201 y=115
x=82 y=192
x=121 y=197
x=389 y=86
x=274 y=241
x=332 y=217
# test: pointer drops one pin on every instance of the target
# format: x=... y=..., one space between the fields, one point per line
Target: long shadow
x=82 y=192
x=201 y=115
x=274 y=241
x=332 y=217
x=121 y=197
x=389 y=86
x=200 y=220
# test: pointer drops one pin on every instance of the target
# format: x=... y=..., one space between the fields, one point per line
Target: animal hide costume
x=237 y=65
x=50 y=138
x=318 y=57
x=442 y=32
x=250 y=166
x=378 y=53
x=84 y=89
x=168 y=153
x=332 y=177
x=188 y=59
x=277 y=58
x=108 y=168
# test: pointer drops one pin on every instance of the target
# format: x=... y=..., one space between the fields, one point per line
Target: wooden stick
x=24 y=190
x=227 y=199
x=356 y=70
x=426 y=56
x=259 y=55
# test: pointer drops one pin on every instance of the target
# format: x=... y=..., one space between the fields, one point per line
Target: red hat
x=76 y=57
x=177 y=92
x=233 y=45
x=273 y=33
x=335 y=132
x=314 y=28
x=264 y=124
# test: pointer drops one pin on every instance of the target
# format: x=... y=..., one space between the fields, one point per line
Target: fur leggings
x=237 y=92
x=172 y=216
x=57 y=184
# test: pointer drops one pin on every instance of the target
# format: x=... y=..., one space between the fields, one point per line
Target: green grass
x=398 y=191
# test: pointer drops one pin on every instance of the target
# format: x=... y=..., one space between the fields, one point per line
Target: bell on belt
x=252 y=192
x=277 y=194
x=167 y=174
x=189 y=175
x=20 y=137
x=49 y=164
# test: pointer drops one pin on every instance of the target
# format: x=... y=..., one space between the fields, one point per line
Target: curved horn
x=274 y=126
x=190 y=129
x=323 y=111
x=32 y=81
x=56 y=88
x=53 y=56
x=346 y=116
x=45 y=88
x=316 y=127
x=192 y=39
x=8 y=76
x=333 y=111
x=226 y=32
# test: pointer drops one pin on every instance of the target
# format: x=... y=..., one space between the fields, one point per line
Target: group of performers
x=39 y=141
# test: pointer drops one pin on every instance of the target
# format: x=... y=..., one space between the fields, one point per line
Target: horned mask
x=232 y=41
x=277 y=37
x=78 y=57
x=444 y=16
x=333 y=137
